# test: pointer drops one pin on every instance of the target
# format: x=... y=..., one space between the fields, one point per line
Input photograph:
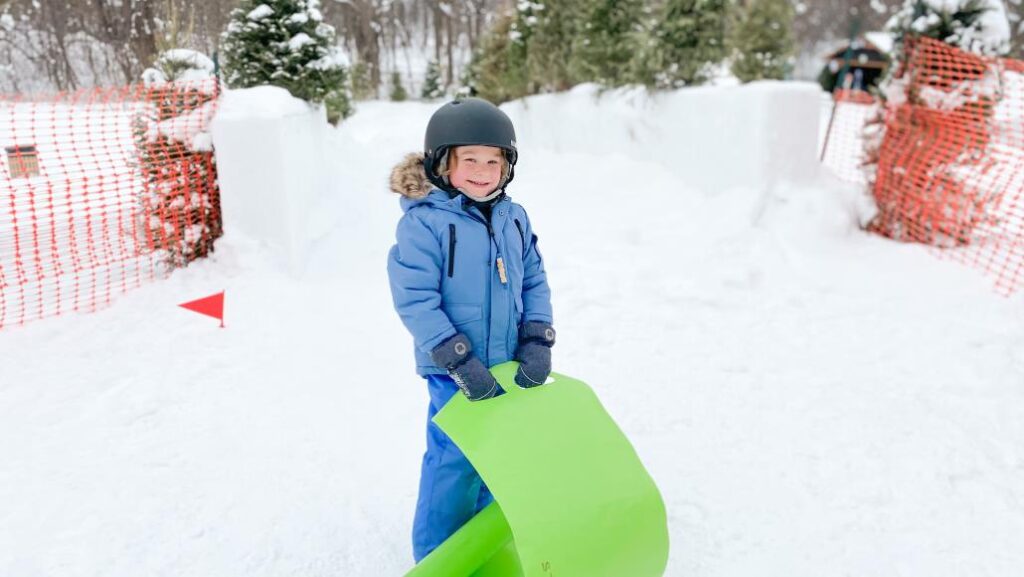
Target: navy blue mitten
x=456 y=356
x=534 y=354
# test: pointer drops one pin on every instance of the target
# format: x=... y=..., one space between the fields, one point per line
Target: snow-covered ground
x=812 y=401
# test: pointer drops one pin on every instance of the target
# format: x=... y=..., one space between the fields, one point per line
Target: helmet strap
x=489 y=197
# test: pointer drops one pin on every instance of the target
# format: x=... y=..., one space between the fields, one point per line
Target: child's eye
x=472 y=160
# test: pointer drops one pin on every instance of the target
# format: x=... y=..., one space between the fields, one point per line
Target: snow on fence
x=950 y=163
x=102 y=190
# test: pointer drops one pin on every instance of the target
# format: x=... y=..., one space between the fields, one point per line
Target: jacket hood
x=409 y=179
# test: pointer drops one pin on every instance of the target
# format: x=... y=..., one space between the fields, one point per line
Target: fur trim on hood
x=409 y=179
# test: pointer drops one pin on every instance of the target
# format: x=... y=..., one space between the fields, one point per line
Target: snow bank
x=265 y=102
x=275 y=180
x=271 y=169
x=715 y=138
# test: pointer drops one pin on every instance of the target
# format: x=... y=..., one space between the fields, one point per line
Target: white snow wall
x=714 y=138
x=271 y=168
x=273 y=171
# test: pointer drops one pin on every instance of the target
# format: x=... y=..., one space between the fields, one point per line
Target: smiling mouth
x=475 y=183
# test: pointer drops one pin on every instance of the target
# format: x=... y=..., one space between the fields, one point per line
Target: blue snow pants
x=451 y=491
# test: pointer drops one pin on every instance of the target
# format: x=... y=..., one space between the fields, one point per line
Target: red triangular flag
x=211 y=306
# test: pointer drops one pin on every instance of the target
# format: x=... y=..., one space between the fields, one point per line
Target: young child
x=469 y=284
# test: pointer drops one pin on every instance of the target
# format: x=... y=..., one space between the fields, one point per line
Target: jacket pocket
x=460 y=314
x=451 y=250
x=522 y=235
x=468 y=320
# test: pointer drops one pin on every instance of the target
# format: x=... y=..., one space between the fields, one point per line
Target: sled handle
x=505 y=373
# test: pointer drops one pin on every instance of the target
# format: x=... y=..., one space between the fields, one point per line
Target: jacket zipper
x=490 y=278
x=451 y=250
x=514 y=322
x=490 y=233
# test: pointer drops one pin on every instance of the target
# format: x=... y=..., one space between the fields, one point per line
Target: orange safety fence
x=102 y=190
x=845 y=122
x=950 y=166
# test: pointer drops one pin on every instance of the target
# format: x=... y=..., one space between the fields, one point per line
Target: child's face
x=477 y=170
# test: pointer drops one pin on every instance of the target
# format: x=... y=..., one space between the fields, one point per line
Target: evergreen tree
x=432 y=82
x=959 y=24
x=762 y=40
x=179 y=65
x=497 y=71
x=359 y=79
x=179 y=199
x=526 y=52
x=180 y=203
x=467 y=81
x=607 y=41
x=553 y=25
x=174 y=63
x=286 y=43
x=687 y=41
x=398 y=92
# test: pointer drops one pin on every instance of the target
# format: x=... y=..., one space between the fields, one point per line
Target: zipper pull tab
x=501 y=270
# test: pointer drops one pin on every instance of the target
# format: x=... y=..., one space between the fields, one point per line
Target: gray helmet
x=465 y=122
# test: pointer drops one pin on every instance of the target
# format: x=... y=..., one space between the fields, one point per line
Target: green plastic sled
x=572 y=499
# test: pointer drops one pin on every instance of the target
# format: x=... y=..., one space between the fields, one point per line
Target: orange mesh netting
x=950 y=167
x=843 y=149
x=100 y=191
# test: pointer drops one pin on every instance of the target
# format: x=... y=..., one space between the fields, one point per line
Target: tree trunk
x=450 y=69
x=438 y=29
x=142 y=37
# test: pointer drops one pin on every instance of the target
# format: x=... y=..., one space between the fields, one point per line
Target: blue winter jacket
x=445 y=276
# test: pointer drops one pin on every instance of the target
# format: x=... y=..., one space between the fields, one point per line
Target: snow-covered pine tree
x=180 y=204
x=176 y=64
x=762 y=40
x=179 y=65
x=432 y=82
x=686 y=43
x=398 y=92
x=978 y=26
x=286 y=43
x=607 y=41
